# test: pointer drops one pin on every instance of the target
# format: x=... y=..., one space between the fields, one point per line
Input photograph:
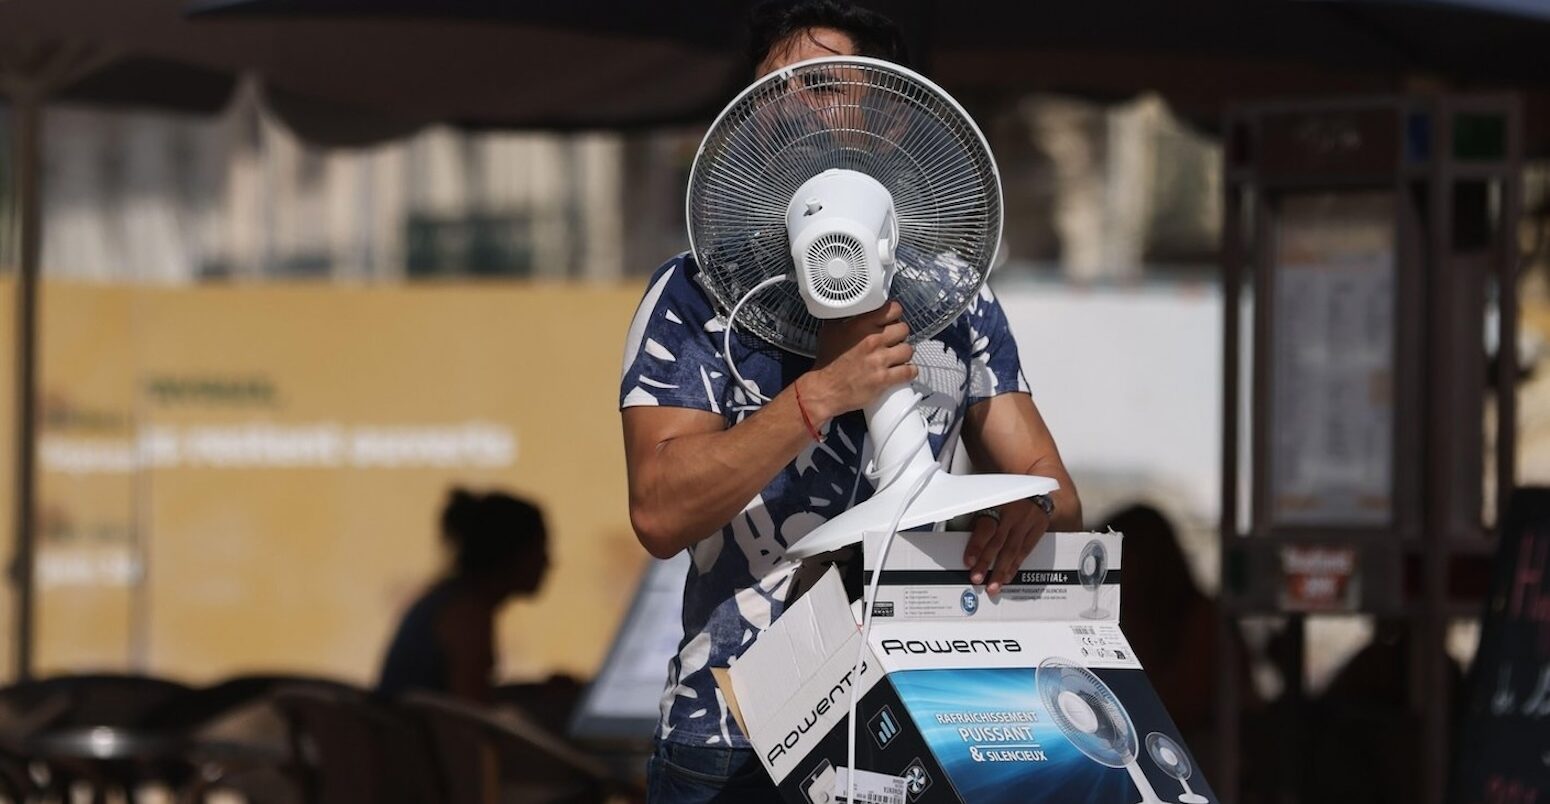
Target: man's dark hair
x=771 y=24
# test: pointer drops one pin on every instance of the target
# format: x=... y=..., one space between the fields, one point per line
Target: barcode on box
x=1083 y=630
x=871 y=788
x=869 y=798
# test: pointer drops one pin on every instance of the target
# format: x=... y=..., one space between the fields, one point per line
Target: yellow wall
x=270 y=540
x=85 y=520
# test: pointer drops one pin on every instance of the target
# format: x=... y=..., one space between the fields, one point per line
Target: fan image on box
x=1091 y=569
x=1090 y=716
x=824 y=190
x=1170 y=756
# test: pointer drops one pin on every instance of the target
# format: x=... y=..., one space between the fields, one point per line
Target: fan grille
x=1093 y=565
x=856 y=114
x=1169 y=755
x=1113 y=742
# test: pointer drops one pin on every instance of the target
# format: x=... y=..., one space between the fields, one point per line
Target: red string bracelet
x=806 y=420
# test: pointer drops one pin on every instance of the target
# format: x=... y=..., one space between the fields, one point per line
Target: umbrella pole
x=27 y=110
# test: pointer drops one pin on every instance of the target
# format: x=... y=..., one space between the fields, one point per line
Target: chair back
x=356 y=748
x=122 y=701
x=202 y=706
x=488 y=756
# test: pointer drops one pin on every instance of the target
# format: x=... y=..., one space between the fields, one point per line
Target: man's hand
x=858 y=359
x=997 y=548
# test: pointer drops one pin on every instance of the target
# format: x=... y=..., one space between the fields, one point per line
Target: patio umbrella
x=443 y=69
x=333 y=81
x=30 y=74
x=1200 y=54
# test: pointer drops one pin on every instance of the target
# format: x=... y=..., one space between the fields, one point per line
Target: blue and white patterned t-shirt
x=739 y=578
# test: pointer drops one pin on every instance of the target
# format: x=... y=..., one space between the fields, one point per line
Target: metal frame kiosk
x=1367 y=245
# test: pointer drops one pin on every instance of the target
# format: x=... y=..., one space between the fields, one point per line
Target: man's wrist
x=815 y=399
x=813 y=430
x=1046 y=503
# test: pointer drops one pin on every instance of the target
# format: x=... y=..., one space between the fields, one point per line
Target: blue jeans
x=696 y=774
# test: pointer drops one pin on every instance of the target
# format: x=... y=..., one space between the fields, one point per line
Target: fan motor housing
x=843 y=233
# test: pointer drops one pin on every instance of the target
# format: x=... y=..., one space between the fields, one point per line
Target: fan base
x=944 y=497
x=1095 y=614
x=1193 y=798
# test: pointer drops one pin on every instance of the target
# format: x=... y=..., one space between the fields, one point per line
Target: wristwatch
x=1046 y=504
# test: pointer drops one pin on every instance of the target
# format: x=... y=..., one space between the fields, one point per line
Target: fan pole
x=1148 y=795
x=898 y=434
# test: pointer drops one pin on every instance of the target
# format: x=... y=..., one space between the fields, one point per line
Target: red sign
x=1319 y=578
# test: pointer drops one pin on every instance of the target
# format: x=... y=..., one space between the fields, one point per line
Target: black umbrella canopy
x=337 y=79
x=1200 y=53
x=112 y=80
x=702 y=23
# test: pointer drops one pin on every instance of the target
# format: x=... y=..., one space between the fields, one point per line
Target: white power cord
x=896 y=469
x=877 y=474
x=726 y=335
x=866 y=626
x=873 y=472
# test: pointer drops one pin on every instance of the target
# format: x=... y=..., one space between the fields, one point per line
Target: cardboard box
x=965 y=698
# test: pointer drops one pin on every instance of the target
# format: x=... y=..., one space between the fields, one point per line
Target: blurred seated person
x=1368 y=734
x=446 y=641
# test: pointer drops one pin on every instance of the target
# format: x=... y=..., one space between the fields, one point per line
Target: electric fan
x=1091 y=569
x=1090 y=716
x=1170 y=756
x=824 y=190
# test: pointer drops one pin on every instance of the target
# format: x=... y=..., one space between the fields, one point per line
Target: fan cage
x=851 y=113
x=1100 y=555
x=1114 y=744
x=1169 y=755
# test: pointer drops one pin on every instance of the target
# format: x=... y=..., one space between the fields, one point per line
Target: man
x=734 y=481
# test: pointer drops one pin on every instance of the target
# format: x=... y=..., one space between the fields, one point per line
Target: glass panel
x=1476 y=214
x=1418 y=137
x=1479 y=137
x=1332 y=352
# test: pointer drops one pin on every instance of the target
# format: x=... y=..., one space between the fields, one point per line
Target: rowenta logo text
x=810 y=720
x=892 y=646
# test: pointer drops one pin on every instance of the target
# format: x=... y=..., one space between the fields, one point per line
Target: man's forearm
x=693 y=484
x=1068 y=506
x=1007 y=434
x=690 y=474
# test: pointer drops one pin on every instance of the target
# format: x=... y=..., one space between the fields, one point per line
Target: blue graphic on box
x=996 y=742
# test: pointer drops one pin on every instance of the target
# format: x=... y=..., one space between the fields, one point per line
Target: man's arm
x=689 y=474
x=1006 y=434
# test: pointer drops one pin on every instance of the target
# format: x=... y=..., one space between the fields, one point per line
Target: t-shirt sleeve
x=672 y=353
x=994 y=367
